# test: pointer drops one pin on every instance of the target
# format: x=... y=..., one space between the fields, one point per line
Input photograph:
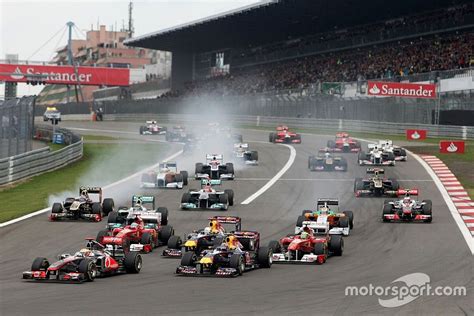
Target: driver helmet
x=231 y=242
x=134 y=225
x=214 y=226
x=84 y=194
x=324 y=209
x=304 y=235
x=406 y=201
x=327 y=155
x=85 y=252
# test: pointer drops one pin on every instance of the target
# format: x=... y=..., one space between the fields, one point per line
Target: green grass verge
x=100 y=137
x=100 y=165
x=54 y=147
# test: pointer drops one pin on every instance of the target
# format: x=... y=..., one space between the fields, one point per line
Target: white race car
x=214 y=168
x=250 y=157
x=166 y=176
x=376 y=157
x=208 y=197
x=388 y=146
x=152 y=128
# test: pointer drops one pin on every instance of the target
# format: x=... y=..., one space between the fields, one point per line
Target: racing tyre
x=395 y=184
x=343 y=222
x=271 y=137
x=174 y=242
x=132 y=262
x=350 y=216
x=237 y=262
x=186 y=198
x=264 y=257
x=319 y=249
x=230 y=195
x=114 y=218
x=336 y=245
x=165 y=233
x=188 y=259
x=108 y=206
x=275 y=246
x=343 y=164
x=101 y=234
x=88 y=268
x=358 y=184
x=362 y=156
x=427 y=210
x=390 y=156
x=310 y=158
x=40 y=264
x=57 y=208
x=254 y=155
x=387 y=209
x=198 y=168
x=164 y=215
x=229 y=167
x=147 y=239
x=300 y=220
x=306 y=212
x=331 y=144
x=142 y=128
x=179 y=178
x=185 y=177
x=224 y=198
x=96 y=208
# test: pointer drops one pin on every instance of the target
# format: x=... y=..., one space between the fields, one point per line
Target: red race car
x=141 y=232
x=283 y=135
x=342 y=143
x=310 y=246
x=85 y=265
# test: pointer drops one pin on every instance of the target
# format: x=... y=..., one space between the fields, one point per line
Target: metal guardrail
x=38 y=161
x=449 y=131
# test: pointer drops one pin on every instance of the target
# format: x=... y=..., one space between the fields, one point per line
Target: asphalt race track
x=376 y=253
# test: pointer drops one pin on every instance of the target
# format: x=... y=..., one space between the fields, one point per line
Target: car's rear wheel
x=229 y=168
x=300 y=220
x=184 y=174
x=230 y=195
x=387 y=210
x=336 y=245
x=275 y=246
x=331 y=144
x=165 y=233
x=199 y=167
x=108 y=206
x=224 y=198
x=147 y=239
x=164 y=215
x=271 y=137
x=395 y=184
x=132 y=262
x=96 y=208
x=264 y=257
x=350 y=216
x=343 y=222
x=101 y=234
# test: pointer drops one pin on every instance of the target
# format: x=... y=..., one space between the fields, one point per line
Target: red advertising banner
x=404 y=90
x=416 y=134
x=452 y=146
x=94 y=76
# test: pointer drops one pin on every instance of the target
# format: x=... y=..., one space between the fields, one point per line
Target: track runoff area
x=269 y=198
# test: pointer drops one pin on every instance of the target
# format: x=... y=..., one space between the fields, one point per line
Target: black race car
x=327 y=162
x=375 y=185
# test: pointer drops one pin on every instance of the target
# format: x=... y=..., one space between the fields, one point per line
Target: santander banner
x=93 y=76
x=403 y=90
x=416 y=134
x=451 y=147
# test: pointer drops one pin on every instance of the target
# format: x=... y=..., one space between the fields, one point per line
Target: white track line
x=22 y=218
x=452 y=208
x=272 y=181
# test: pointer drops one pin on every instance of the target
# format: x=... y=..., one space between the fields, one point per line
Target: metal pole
x=69 y=53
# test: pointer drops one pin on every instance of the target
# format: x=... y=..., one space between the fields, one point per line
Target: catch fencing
x=16 y=126
x=35 y=162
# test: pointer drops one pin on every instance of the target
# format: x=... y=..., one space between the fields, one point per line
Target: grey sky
x=26 y=25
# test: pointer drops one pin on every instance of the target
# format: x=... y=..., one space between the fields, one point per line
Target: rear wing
x=172 y=165
x=91 y=190
x=229 y=220
x=385 y=142
x=214 y=157
x=375 y=171
x=327 y=201
x=241 y=145
x=143 y=199
x=342 y=135
x=407 y=192
x=205 y=181
x=150 y=122
x=282 y=128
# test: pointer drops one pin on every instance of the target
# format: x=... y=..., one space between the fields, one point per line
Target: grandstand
x=287 y=44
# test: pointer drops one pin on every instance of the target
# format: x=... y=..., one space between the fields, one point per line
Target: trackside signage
x=403 y=90
x=94 y=76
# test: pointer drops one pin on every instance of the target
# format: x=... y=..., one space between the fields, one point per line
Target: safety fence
x=38 y=161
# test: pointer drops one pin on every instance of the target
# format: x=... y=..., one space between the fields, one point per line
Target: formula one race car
x=199 y=240
x=250 y=157
x=51 y=113
x=207 y=197
x=166 y=176
x=343 y=143
x=376 y=157
x=83 y=207
x=214 y=168
x=311 y=245
x=215 y=130
x=240 y=252
x=85 y=265
x=376 y=185
x=137 y=228
x=327 y=162
x=152 y=128
x=178 y=134
x=283 y=135
x=327 y=211
x=407 y=209
x=399 y=152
